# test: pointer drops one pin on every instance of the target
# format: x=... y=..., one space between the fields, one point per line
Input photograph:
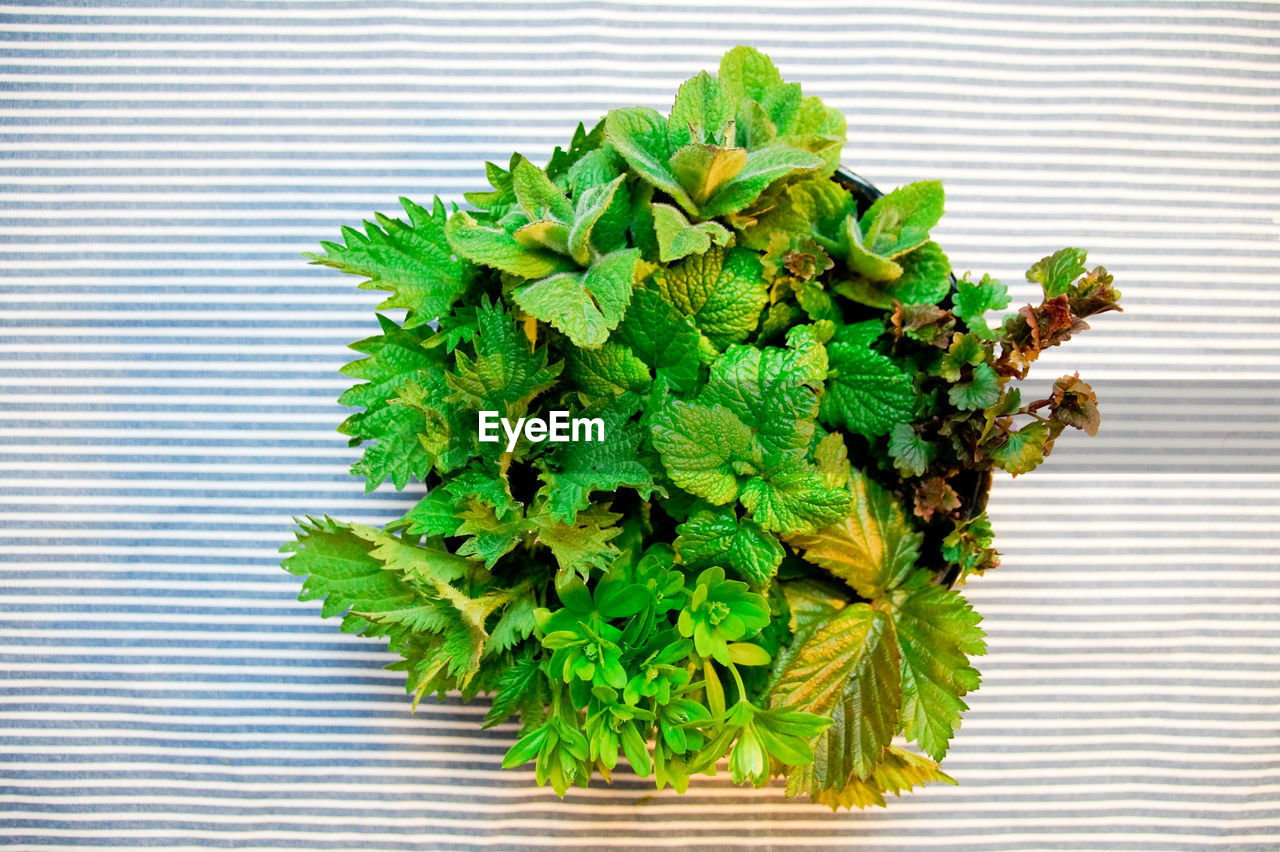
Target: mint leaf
x=867 y=392
x=585 y=306
x=678 y=238
x=496 y=248
x=901 y=220
x=722 y=291
x=701 y=111
x=716 y=536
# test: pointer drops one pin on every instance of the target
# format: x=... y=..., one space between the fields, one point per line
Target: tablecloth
x=168 y=384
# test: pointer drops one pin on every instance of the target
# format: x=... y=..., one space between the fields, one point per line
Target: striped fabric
x=169 y=374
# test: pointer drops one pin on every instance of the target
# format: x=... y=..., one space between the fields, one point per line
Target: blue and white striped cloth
x=168 y=375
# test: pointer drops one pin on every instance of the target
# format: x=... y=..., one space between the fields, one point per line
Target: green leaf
x=722 y=291
x=980 y=391
x=965 y=350
x=597 y=220
x=847 y=669
x=582 y=545
x=866 y=392
x=640 y=135
x=586 y=306
x=925 y=279
x=702 y=109
x=489 y=536
x=703 y=448
x=901 y=220
x=872 y=548
x=809 y=207
x=539 y=197
x=413 y=260
x=518 y=681
x=972 y=301
x=747 y=73
x=653 y=340
x=911 y=455
x=937 y=632
x=767 y=390
x=514 y=626
x=763 y=167
x=496 y=248
x=678 y=238
x=791 y=498
x=662 y=338
x=338 y=568
x=716 y=536
x=433 y=515
x=505 y=373
x=1024 y=449
x=428 y=567
x=396 y=359
x=576 y=469
x=1056 y=272
x=608 y=370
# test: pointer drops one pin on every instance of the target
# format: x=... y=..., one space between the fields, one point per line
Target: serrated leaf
x=716 y=536
x=1024 y=449
x=640 y=135
x=981 y=390
x=974 y=300
x=911 y=455
x=494 y=247
x=579 y=468
x=505 y=372
x=847 y=669
x=396 y=359
x=746 y=72
x=762 y=167
x=1056 y=272
x=872 y=549
x=514 y=687
x=539 y=197
x=582 y=545
x=792 y=497
x=701 y=110
x=901 y=220
x=866 y=392
x=721 y=291
x=937 y=630
x=338 y=568
x=584 y=306
x=703 y=447
x=678 y=237
x=413 y=260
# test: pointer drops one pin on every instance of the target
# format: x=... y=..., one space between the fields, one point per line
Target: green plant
x=796 y=412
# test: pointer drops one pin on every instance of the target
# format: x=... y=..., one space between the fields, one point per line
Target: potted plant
x=706 y=427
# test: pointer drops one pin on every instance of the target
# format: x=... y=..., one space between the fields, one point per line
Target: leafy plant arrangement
x=791 y=408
